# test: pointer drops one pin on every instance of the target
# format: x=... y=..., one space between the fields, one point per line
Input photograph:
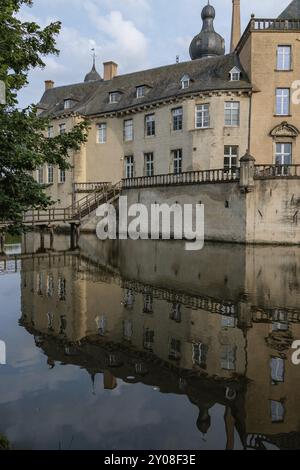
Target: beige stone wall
x=202 y=149
x=259 y=58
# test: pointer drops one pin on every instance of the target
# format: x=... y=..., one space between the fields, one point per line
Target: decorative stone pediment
x=285 y=130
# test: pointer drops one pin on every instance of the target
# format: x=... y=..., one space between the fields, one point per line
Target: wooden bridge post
x=2 y=242
x=51 y=231
x=42 y=238
x=74 y=236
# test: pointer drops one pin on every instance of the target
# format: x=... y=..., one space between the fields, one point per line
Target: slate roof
x=292 y=12
x=207 y=74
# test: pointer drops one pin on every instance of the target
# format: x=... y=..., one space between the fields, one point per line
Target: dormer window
x=140 y=91
x=235 y=74
x=114 y=97
x=68 y=104
x=185 y=82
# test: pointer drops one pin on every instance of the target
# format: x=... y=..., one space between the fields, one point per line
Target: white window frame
x=149 y=164
x=114 y=97
x=128 y=130
x=68 y=104
x=129 y=167
x=50 y=132
x=232 y=110
x=50 y=174
x=284 y=58
x=202 y=116
x=177 y=161
x=177 y=119
x=231 y=156
x=282 y=154
x=140 y=91
x=150 y=125
x=61 y=176
x=62 y=128
x=185 y=82
x=283 y=99
x=102 y=133
x=235 y=74
x=40 y=175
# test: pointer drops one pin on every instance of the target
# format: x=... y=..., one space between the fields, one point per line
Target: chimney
x=49 y=84
x=110 y=70
x=236 y=24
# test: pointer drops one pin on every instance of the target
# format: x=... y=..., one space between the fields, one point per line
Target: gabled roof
x=292 y=11
x=207 y=74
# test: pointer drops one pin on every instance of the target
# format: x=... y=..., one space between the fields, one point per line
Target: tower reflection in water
x=216 y=326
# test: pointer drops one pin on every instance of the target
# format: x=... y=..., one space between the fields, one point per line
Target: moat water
x=142 y=345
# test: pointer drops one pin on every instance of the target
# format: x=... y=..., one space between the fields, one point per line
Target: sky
x=137 y=34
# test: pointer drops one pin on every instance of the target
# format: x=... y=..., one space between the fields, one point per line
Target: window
x=175 y=314
x=283 y=101
x=283 y=154
x=200 y=352
x=61 y=176
x=150 y=125
x=177 y=161
x=101 y=323
x=129 y=299
x=62 y=129
x=68 y=104
x=185 y=82
x=231 y=153
x=114 y=97
x=128 y=130
x=40 y=175
x=102 y=133
x=128 y=329
x=228 y=322
x=148 y=340
x=232 y=113
x=277 y=412
x=284 y=58
x=202 y=116
x=177 y=119
x=277 y=370
x=50 y=285
x=129 y=167
x=149 y=164
x=235 y=74
x=228 y=357
x=140 y=91
x=148 y=303
x=50 y=174
x=62 y=289
x=175 y=349
x=50 y=132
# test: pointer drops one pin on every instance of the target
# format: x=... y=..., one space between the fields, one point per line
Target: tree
x=24 y=146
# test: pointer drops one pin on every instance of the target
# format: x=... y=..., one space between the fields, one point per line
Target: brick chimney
x=49 y=84
x=236 y=24
x=110 y=70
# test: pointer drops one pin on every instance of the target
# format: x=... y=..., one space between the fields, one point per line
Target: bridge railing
x=42 y=216
x=191 y=177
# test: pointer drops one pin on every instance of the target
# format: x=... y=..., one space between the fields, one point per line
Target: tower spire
x=236 y=24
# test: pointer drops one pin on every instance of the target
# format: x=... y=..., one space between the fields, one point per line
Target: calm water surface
x=141 y=345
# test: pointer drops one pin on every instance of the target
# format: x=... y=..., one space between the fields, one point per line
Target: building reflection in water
x=216 y=326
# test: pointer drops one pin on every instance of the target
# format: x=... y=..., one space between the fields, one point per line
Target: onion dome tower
x=208 y=43
x=93 y=75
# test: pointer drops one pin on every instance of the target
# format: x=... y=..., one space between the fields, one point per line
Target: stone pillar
x=51 y=230
x=42 y=237
x=247 y=172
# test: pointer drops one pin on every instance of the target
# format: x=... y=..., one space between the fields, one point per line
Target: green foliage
x=23 y=145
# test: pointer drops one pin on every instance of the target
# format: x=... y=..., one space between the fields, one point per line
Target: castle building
x=198 y=115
